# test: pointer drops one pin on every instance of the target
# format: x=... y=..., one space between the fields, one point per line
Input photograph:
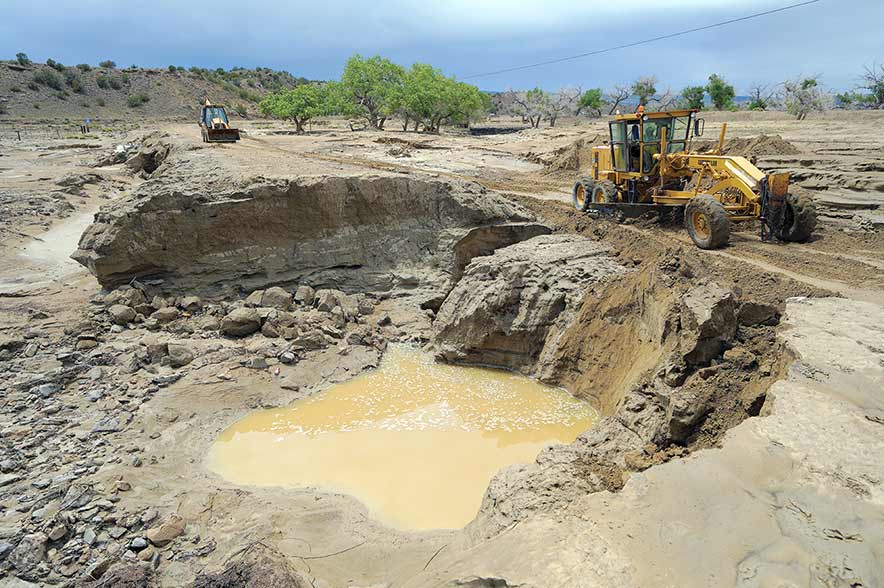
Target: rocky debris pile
x=359 y=232
x=509 y=307
x=257 y=566
x=22 y=209
x=143 y=156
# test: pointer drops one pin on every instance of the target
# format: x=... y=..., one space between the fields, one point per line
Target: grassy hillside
x=55 y=91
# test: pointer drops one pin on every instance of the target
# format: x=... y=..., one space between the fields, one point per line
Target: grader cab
x=648 y=164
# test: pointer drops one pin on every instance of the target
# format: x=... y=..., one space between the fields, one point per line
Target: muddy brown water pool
x=417 y=442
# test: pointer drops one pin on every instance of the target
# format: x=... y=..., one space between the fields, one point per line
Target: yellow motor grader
x=648 y=164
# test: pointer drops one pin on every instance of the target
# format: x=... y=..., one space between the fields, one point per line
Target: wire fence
x=30 y=132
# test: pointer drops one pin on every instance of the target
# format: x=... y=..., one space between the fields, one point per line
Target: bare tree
x=531 y=105
x=804 y=95
x=561 y=103
x=665 y=101
x=762 y=97
x=873 y=81
x=616 y=96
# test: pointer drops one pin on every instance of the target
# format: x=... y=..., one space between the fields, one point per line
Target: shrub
x=116 y=84
x=100 y=101
x=55 y=65
x=15 y=89
x=36 y=107
x=136 y=100
x=33 y=86
x=22 y=59
x=124 y=78
x=84 y=67
x=103 y=82
x=62 y=95
x=3 y=109
x=74 y=82
x=84 y=103
x=48 y=78
x=241 y=109
x=108 y=64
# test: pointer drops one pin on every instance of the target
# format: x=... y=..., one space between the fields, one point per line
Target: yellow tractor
x=649 y=165
x=215 y=126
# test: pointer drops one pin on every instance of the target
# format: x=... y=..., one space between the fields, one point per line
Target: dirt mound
x=573 y=157
x=752 y=146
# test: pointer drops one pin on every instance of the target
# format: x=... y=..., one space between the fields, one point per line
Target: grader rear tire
x=581 y=194
x=800 y=220
x=707 y=223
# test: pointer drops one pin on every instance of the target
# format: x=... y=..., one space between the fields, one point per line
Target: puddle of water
x=415 y=441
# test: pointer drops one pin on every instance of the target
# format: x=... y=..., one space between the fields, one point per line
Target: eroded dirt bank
x=115 y=396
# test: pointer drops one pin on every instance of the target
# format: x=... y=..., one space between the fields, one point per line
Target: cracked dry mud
x=741 y=419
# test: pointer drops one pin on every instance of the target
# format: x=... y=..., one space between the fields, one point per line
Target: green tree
x=873 y=82
x=530 y=105
x=760 y=97
x=373 y=86
x=591 y=101
x=108 y=64
x=854 y=99
x=721 y=93
x=427 y=97
x=694 y=97
x=302 y=103
x=22 y=59
x=644 y=88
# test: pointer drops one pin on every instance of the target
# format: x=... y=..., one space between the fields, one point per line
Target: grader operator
x=648 y=164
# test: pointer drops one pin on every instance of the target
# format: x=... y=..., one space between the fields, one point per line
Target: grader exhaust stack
x=649 y=165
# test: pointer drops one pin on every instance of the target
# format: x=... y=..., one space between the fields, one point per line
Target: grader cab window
x=618 y=146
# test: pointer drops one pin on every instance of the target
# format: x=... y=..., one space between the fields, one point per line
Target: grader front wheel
x=707 y=223
x=800 y=219
x=581 y=194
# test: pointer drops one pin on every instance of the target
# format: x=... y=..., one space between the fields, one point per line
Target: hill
x=53 y=91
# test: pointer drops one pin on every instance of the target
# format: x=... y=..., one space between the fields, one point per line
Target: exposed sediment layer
x=366 y=233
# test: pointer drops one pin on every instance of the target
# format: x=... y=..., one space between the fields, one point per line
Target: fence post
x=19 y=135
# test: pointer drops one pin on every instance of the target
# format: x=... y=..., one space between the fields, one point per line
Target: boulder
x=191 y=303
x=166 y=314
x=166 y=532
x=276 y=297
x=180 y=354
x=708 y=322
x=241 y=322
x=121 y=314
x=258 y=566
x=126 y=295
x=507 y=304
x=756 y=313
x=326 y=300
x=29 y=552
x=254 y=299
x=304 y=295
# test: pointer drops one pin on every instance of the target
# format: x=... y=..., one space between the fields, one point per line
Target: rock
x=254 y=299
x=166 y=314
x=241 y=322
x=86 y=344
x=357 y=230
x=29 y=552
x=327 y=300
x=147 y=553
x=509 y=306
x=708 y=322
x=384 y=320
x=350 y=306
x=276 y=297
x=209 y=323
x=121 y=314
x=305 y=295
x=95 y=373
x=191 y=303
x=756 y=313
x=57 y=532
x=269 y=330
x=125 y=575
x=179 y=354
x=287 y=357
x=167 y=531
x=108 y=424
x=366 y=306
x=138 y=544
x=159 y=302
x=125 y=295
x=46 y=390
x=5 y=548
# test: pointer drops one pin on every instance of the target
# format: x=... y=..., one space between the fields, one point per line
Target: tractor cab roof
x=651 y=115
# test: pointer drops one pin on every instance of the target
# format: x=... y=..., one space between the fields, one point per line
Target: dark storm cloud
x=312 y=39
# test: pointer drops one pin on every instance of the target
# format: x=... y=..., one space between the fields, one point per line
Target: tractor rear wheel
x=800 y=219
x=707 y=223
x=581 y=194
x=604 y=192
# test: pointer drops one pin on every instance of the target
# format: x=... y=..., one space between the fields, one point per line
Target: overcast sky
x=834 y=38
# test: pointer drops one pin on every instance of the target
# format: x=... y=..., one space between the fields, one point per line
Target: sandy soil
x=330 y=538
